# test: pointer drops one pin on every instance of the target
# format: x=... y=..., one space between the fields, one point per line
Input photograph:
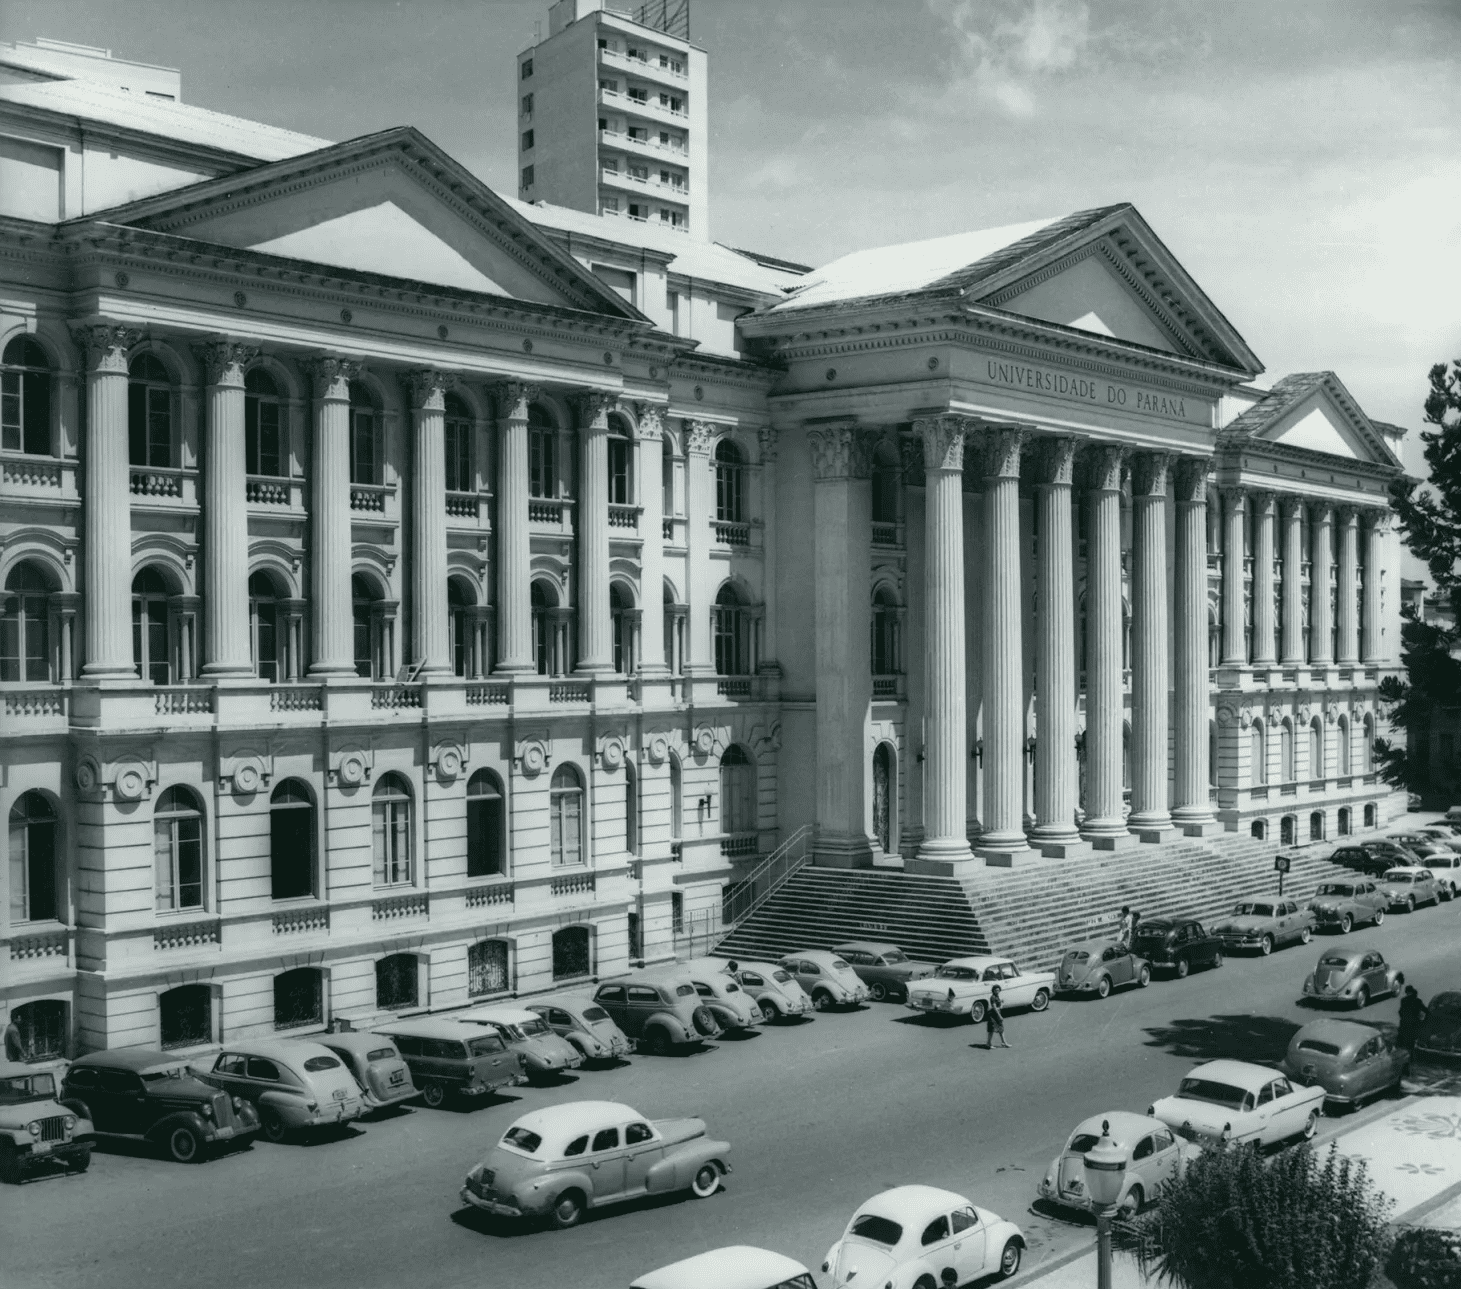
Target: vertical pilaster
x=699 y=514
x=1293 y=582
x=1149 y=682
x=1191 y=808
x=1235 y=514
x=430 y=626
x=766 y=441
x=595 y=628
x=1104 y=690
x=334 y=630
x=1347 y=600
x=514 y=542
x=1376 y=527
x=1056 y=785
x=650 y=448
x=1321 y=626
x=1265 y=510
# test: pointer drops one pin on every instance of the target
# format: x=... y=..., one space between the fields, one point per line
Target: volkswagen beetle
x=829 y=980
x=962 y=987
x=1348 y=1060
x=1099 y=966
x=733 y=1008
x=585 y=1024
x=775 y=990
x=545 y=1055
x=1153 y=1157
x=1262 y=925
x=1353 y=976
x=1247 y=1105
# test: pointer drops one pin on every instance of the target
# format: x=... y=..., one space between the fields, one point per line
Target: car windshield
x=594 y=1014
x=485 y=1045
x=877 y=1229
x=317 y=1063
x=1335 y=888
x=1253 y=910
x=172 y=1072
x=957 y=973
x=536 y=1026
x=1395 y=875
x=781 y=977
x=1315 y=1045
x=1083 y=1141
x=381 y=1054
x=522 y=1139
x=894 y=956
x=27 y=1087
x=1334 y=960
x=1223 y=1094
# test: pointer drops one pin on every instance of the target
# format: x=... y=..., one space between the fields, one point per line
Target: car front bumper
x=62 y=1150
x=495 y=1207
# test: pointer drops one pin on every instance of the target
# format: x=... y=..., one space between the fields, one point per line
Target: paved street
x=820 y=1117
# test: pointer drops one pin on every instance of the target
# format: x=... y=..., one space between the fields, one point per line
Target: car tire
x=878 y=991
x=433 y=1093
x=1009 y=1259
x=1346 y=923
x=655 y=1041
x=704 y=1022
x=11 y=1169
x=1267 y=946
x=1143 y=977
x=567 y=1210
x=976 y=1012
x=1305 y=935
x=186 y=1147
x=1217 y=959
x=1311 y=1125
x=1131 y=1205
x=273 y=1126
x=822 y=1000
x=705 y=1182
x=924 y=1282
x=1182 y=968
x=1379 y=917
x=768 y=1010
x=1103 y=987
x=80 y=1161
x=1362 y=998
x=1040 y=1001
x=1410 y=903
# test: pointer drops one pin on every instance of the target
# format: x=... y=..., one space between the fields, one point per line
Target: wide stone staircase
x=1030 y=912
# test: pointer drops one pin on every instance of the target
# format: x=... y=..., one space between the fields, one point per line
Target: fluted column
x=595 y=627
x=108 y=502
x=699 y=512
x=766 y=441
x=431 y=647
x=514 y=543
x=945 y=736
x=1056 y=781
x=1265 y=512
x=1321 y=643
x=1004 y=725
x=1347 y=601
x=1375 y=529
x=1293 y=582
x=1149 y=678
x=1235 y=648
x=1103 y=647
x=650 y=447
x=334 y=626
x=1191 y=807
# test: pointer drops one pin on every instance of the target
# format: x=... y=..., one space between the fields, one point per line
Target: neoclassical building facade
x=412 y=596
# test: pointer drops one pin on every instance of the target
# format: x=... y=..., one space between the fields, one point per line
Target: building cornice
x=1238 y=451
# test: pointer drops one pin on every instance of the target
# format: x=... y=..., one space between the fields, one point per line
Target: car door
x=1263 y=1113
x=1290 y=1109
x=643 y=1149
x=1373 y=971
x=228 y=1072
x=612 y=999
x=937 y=1247
x=642 y=1003
x=969 y=1241
x=120 y=1094
x=1017 y=990
x=261 y=1075
x=605 y=1164
x=1162 y=1163
x=1117 y=964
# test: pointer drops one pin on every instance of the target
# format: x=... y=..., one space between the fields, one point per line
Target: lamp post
x=1105 y=1168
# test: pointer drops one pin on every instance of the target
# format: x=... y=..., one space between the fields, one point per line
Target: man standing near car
x=1412 y=1013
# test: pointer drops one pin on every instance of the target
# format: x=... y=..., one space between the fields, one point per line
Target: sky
x=1302 y=160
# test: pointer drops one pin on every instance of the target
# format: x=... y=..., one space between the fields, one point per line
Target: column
x=595 y=628
x=1347 y=601
x=1293 y=582
x=1375 y=529
x=1265 y=508
x=431 y=645
x=1149 y=645
x=1191 y=806
x=1235 y=650
x=1004 y=725
x=841 y=560
x=1321 y=643
x=334 y=626
x=226 y=646
x=699 y=512
x=1104 y=690
x=945 y=740
x=1056 y=782
x=649 y=464
x=514 y=543
x=108 y=502
x=766 y=439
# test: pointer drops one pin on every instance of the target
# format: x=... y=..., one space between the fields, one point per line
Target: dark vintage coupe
x=1440 y=1032
x=884 y=968
x=1178 y=944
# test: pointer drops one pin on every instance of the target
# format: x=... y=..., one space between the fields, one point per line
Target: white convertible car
x=1232 y=1101
x=961 y=987
x=921 y=1237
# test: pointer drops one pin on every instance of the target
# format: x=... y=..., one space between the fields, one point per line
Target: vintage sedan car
x=35 y=1129
x=884 y=968
x=1372 y=858
x=134 y=1093
x=658 y=1009
x=296 y=1085
x=1419 y=844
x=1178 y=943
x=447 y=1059
x=1343 y=904
x=1352 y=976
x=1153 y=1157
x=585 y=1024
x=962 y=987
x=738 y=1267
x=1406 y=888
x=1233 y=1101
x=1440 y=1032
x=735 y=1011
x=827 y=979
x=1262 y=925
x=1099 y=966
x=922 y=1235
x=1447 y=871
x=564 y=1160
x=775 y=991
x=1350 y=1061
x=545 y=1055
x=380 y=1071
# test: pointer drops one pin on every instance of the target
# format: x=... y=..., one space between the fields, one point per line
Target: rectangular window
x=365 y=465
x=541 y=473
x=672 y=303
x=611 y=204
x=487 y=968
x=178 y=849
x=639 y=96
x=526 y=68
x=261 y=437
x=639 y=132
x=619 y=472
x=484 y=836
x=677 y=912
x=392 y=843
x=527 y=105
x=266 y=649
x=10 y=411
x=527 y=177
x=637 y=171
x=567 y=843
x=527 y=140
x=606 y=84
x=459 y=474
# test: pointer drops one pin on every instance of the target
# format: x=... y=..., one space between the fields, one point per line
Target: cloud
x=1008 y=45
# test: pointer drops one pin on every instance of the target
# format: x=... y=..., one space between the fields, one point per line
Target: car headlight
x=237 y=1104
x=34 y=1127
x=70 y=1122
x=207 y=1109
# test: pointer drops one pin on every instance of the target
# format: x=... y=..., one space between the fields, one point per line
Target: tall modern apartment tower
x=612 y=115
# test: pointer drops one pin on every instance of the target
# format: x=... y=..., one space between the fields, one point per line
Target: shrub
x=1238 y=1221
x=1424 y=1258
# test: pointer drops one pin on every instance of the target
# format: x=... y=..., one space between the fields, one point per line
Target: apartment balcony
x=646 y=185
x=618 y=140
x=650 y=109
x=27 y=480
x=645 y=67
x=644 y=219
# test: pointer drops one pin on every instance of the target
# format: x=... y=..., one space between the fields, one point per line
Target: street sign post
x=1280 y=866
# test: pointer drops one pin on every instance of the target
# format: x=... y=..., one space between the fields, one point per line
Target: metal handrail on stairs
x=769 y=875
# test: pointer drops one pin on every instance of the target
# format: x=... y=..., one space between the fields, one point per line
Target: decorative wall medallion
x=442 y=332
x=449 y=760
x=612 y=752
x=122 y=280
x=831 y=373
x=250 y=775
x=130 y=781
x=654 y=373
x=658 y=748
x=352 y=767
x=240 y=299
x=346 y=316
x=699 y=391
x=705 y=740
x=608 y=359
x=527 y=346
x=532 y=753
x=933 y=364
x=88 y=774
x=1226 y=715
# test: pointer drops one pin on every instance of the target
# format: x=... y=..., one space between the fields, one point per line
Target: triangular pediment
x=1090 y=295
x=1313 y=411
x=391 y=204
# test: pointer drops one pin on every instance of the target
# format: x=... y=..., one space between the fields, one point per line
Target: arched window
x=177 y=848
x=366 y=455
x=886 y=480
x=677 y=797
x=1288 y=830
x=291 y=841
x=265 y=637
x=1344 y=748
x=884 y=788
x=571 y=955
x=732 y=634
x=396 y=982
x=1370 y=816
x=265 y=452
x=1258 y=753
x=730 y=483
x=1344 y=821
x=363 y=599
x=487 y=969
x=34 y=885
x=149 y=413
x=1367 y=745
x=42 y=1026
x=25 y=625
x=151 y=651
x=667 y=476
x=631 y=810
x=622 y=616
x=1316 y=826
x=486 y=826
x=460 y=432
x=887 y=653
x=299 y=998
x=459 y=604
x=566 y=817
x=1286 y=751
x=550 y=638
x=542 y=453
x=390 y=810
x=1259 y=830
x=621 y=462
x=25 y=398
x=737 y=791
x=674 y=632
x=1317 y=768
x=186 y=1016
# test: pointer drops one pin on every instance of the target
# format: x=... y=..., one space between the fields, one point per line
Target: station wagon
x=446 y=1059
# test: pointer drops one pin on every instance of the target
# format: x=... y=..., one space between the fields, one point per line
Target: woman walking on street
x=994 y=1021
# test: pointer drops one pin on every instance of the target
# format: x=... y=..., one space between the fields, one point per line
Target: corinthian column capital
x=1191 y=477
x=1234 y=498
x=832 y=452
x=1150 y=472
x=1380 y=521
x=1054 y=461
x=699 y=435
x=650 y=420
x=1293 y=507
x=105 y=345
x=593 y=406
x=427 y=388
x=999 y=453
x=331 y=375
x=1103 y=466
x=514 y=397
x=224 y=360
x=943 y=441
